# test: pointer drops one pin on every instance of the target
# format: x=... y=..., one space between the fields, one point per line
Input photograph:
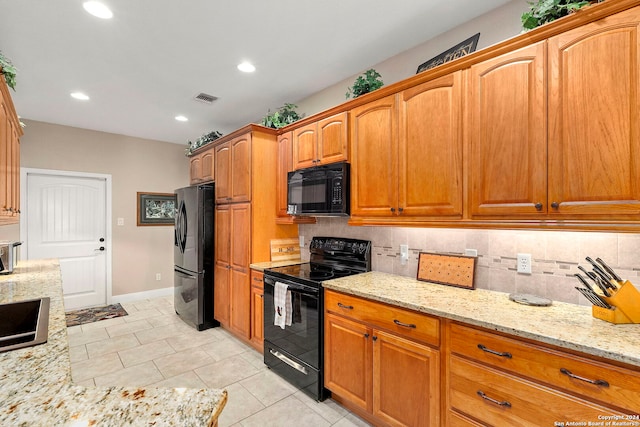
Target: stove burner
x=320 y=275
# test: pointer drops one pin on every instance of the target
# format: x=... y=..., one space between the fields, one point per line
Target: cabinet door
x=374 y=158
x=241 y=168
x=222 y=171
x=195 y=169
x=221 y=301
x=333 y=139
x=594 y=146
x=257 y=320
x=284 y=166
x=207 y=166
x=240 y=236
x=430 y=148
x=221 y=290
x=348 y=360
x=240 y=287
x=406 y=385
x=508 y=134
x=240 y=301
x=304 y=146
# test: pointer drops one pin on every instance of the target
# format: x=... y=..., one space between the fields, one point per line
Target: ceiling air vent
x=206 y=98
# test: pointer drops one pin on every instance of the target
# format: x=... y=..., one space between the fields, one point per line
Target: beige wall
x=135 y=165
x=494 y=27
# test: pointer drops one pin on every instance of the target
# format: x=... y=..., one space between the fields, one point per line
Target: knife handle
x=609 y=270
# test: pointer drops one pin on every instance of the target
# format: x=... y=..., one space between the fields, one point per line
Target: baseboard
x=137 y=296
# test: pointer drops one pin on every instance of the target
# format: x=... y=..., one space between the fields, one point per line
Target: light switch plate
x=404 y=254
x=301 y=238
x=120 y=221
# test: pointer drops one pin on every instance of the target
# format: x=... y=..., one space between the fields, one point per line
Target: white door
x=66 y=219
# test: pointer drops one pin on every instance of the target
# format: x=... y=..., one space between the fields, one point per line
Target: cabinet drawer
x=550 y=366
x=406 y=323
x=500 y=399
x=257 y=278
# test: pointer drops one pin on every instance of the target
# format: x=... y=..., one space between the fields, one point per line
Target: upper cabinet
x=321 y=142
x=594 y=111
x=508 y=134
x=407 y=153
x=233 y=170
x=10 y=133
x=202 y=167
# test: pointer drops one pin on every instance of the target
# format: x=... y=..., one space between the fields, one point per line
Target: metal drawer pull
x=494 y=401
x=285 y=359
x=568 y=373
x=406 y=325
x=497 y=353
x=348 y=307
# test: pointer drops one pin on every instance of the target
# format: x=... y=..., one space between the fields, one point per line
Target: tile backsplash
x=555 y=254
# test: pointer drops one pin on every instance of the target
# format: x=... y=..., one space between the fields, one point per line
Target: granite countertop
x=261 y=266
x=564 y=325
x=36 y=386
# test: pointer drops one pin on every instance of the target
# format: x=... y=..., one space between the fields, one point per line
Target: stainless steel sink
x=24 y=323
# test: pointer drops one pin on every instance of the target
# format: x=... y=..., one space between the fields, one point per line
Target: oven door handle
x=303 y=290
x=289 y=362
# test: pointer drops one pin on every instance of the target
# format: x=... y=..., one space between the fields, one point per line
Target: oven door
x=301 y=340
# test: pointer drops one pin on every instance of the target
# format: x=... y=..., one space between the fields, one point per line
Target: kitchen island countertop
x=35 y=382
x=564 y=325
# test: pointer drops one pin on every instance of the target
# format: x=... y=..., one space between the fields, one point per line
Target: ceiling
x=145 y=66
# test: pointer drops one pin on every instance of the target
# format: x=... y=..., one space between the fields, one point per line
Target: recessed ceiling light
x=182 y=119
x=246 y=67
x=97 y=9
x=79 y=95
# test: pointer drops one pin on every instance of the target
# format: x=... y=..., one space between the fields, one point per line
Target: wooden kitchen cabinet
x=594 y=147
x=202 y=167
x=10 y=133
x=499 y=380
x=233 y=170
x=245 y=169
x=508 y=134
x=407 y=153
x=375 y=365
x=322 y=142
x=232 y=252
x=257 y=310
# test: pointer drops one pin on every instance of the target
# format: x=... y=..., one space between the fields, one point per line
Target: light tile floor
x=153 y=347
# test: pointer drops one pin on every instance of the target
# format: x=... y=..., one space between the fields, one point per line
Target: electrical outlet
x=471 y=252
x=524 y=263
x=404 y=254
x=301 y=240
x=158 y=276
x=120 y=221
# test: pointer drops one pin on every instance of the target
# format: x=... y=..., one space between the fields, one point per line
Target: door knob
x=101 y=248
x=102 y=239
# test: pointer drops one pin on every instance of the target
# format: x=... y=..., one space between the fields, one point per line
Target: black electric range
x=296 y=350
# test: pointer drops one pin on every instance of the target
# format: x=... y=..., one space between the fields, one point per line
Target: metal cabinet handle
x=257 y=279
x=348 y=307
x=503 y=403
x=366 y=336
x=555 y=205
x=400 y=210
x=497 y=353
x=393 y=209
x=601 y=383
x=406 y=325
x=538 y=206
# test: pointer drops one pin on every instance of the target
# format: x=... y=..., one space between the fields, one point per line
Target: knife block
x=626 y=306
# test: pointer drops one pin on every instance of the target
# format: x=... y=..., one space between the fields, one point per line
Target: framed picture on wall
x=156 y=208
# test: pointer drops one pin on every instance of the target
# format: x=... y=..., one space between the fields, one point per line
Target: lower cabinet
x=497 y=380
x=374 y=369
x=257 y=310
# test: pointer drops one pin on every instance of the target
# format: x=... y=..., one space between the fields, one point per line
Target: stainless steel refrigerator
x=193 y=255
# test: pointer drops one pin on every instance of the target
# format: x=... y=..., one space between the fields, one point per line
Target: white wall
x=494 y=27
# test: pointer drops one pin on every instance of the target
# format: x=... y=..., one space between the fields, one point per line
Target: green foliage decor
x=282 y=117
x=544 y=11
x=8 y=70
x=204 y=139
x=368 y=82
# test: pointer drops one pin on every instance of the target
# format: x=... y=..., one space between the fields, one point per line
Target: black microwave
x=319 y=190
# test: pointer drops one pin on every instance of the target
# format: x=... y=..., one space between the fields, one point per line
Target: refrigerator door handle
x=188 y=273
x=181 y=227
